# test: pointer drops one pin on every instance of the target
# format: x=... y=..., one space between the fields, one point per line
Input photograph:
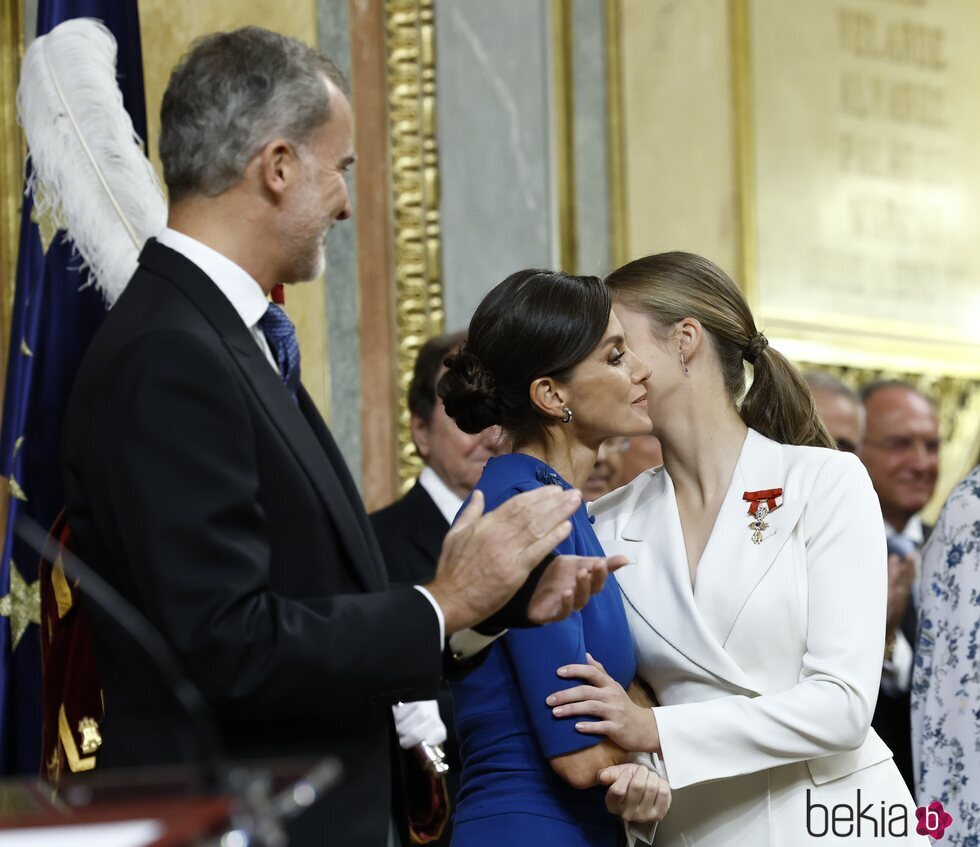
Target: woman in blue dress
x=546 y=359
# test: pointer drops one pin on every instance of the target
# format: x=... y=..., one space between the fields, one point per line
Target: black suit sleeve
x=185 y=498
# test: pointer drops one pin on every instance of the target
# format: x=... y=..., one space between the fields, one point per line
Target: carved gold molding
x=563 y=86
x=11 y=165
x=410 y=32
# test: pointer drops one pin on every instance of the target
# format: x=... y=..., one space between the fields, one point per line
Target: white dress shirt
x=242 y=290
x=447 y=501
x=896 y=673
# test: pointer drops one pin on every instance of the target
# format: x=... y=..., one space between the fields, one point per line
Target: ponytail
x=672 y=286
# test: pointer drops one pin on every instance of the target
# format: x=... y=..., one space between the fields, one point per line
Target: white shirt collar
x=242 y=290
x=913 y=530
x=447 y=501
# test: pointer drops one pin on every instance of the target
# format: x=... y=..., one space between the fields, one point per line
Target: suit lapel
x=732 y=564
x=346 y=505
x=659 y=586
x=429 y=527
x=320 y=459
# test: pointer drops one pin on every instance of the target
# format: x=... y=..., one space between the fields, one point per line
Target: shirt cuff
x=896 y=675
x=442 y=618
x=469 y=642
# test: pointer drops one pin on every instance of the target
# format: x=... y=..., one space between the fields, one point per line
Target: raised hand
x=568 y=583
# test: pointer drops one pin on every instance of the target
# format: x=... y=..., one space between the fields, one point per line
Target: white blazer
x=768 y=670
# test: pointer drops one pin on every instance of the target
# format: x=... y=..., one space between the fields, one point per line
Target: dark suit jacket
x=410 y=532
x=223 y=511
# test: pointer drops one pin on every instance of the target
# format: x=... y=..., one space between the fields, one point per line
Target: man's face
x=456 y=456
x=842 y=416
x=901 y=451
x=321 y=197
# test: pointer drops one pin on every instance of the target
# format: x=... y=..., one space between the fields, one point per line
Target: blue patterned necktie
x=281 y=335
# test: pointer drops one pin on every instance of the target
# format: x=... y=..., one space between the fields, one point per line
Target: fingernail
x=580 y=726
x=562 y=671
x=558 y=711
x=551 y=700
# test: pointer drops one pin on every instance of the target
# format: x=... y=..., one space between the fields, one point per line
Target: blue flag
x=54 y=317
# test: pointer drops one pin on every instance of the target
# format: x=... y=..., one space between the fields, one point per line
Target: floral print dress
x=946 y=678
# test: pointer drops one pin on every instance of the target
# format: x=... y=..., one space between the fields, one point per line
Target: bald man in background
x=840 y=409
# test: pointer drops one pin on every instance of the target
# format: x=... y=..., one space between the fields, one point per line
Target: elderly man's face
x=843 y=418
x=901 y=451
x=456 y=456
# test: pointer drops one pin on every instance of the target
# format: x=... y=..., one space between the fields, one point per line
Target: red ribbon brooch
x=761 y=503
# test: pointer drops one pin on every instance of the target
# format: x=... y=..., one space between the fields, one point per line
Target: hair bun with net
x=468 y=392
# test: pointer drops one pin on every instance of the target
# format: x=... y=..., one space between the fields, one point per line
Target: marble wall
x=590 y=142
x=495 y=130
x=342 y=303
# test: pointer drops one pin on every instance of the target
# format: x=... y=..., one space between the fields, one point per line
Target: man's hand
x=901 y=575
x=636 y=794
x=568 y=583
x=486 y=558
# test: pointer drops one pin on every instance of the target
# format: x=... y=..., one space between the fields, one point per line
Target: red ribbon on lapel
x=278 y=295
x=768 y=496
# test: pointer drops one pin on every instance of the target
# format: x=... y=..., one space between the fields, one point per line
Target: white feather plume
x=89 y=169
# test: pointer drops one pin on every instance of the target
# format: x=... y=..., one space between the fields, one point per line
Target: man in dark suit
x=901 y=453
x=204 y=486
x=411 y=530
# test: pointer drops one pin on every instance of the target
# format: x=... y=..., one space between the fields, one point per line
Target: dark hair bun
x=468 y=392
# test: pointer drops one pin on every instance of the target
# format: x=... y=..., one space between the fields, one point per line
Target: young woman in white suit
x=762 y=633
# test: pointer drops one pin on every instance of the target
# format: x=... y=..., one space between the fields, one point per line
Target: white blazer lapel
x=658 y=585
x=733 y=564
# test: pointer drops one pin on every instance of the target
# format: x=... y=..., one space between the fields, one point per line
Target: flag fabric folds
x=54 y=317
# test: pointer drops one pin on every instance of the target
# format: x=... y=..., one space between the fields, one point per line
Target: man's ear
x=420 y=435
x=278 y=166
x=548 y=397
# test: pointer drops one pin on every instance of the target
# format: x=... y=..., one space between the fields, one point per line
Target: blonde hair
x=672 y=286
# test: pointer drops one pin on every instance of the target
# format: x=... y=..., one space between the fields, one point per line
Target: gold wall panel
x=167 y=28
x=410 y=33
x=860 y=179
x=676 y=128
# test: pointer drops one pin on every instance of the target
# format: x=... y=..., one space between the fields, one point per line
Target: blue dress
x=509 y=794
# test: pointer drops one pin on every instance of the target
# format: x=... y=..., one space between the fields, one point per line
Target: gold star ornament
x=22 y=605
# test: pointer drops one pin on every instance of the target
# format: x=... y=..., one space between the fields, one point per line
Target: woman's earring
x=683 y=363
x=568 y=415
